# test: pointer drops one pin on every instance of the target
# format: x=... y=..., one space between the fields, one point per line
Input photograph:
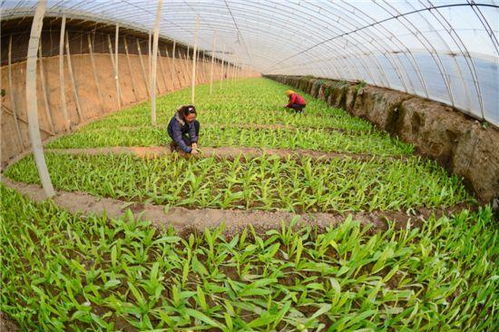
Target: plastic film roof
x=442 y=50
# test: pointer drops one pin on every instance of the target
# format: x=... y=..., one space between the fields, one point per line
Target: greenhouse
x=249 y=165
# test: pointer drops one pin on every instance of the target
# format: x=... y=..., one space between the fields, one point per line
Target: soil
x=226 y=152
x=7 y=324
x=187 y=221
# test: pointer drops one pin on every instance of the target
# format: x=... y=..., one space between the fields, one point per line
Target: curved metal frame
x=338 y=40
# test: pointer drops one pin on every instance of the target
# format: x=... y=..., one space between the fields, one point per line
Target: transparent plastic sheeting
x=442 y=50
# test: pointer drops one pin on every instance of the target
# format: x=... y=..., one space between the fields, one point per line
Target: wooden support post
x=72 y=77
x=162 y=69
x=171 y=68
x=62 y=86
x=116 y=57
x=116 y=64
x=154 y=63
x=234 y=70
x=149 y=57
x=194 y=57
x=212 y=62
x=9 y=111
x=94 y=71
x=184 y=69
x=132 y=79
x=48 y=114
x=230 y=69
x=114 y=71
x=199 y=69
x=175 y=79
x=149 y=60
x=187 y=70
x=200 y=75
x=32 y=101
x=185 y=66
x=12 y=97
x=216 y=71
x=238 y=71
x=206 y=67
x=223 y=71
x=143 y=68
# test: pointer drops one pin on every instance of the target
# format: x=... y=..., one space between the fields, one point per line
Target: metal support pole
x=162 y=69
x=109 y=45
x=212 y=63
x=73 y=80
x=185 y=65
x=61 y=75
x=194 y=58
x=117 y=68
x=173 y=65
x=184 y=70
x=143 y=68
x=149 y=58
x=44 y=89
x=13 y=99
x=154 y=62
x=134 y=88
x=94 y=71
x=202 y=78
x=171 y=68
x=32 y=101
x=223 y=73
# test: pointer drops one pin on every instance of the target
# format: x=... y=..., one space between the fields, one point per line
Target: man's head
x=188 y=112
x=289 y=92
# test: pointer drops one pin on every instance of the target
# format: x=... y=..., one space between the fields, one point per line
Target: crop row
x=314 y=139
x=266 y=183
x=63 y=272
x=222 y=115
x=252 y=101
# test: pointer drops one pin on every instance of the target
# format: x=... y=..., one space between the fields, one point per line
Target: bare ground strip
x=191 y=220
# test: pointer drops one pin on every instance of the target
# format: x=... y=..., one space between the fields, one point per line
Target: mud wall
x=459 y=143
x=133 y=83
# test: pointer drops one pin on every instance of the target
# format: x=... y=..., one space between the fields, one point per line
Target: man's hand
x=194 y=151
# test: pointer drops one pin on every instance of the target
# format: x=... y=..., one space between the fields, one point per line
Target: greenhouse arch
x=249 y=165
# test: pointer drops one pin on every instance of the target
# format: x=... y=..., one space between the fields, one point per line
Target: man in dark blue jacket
x=184 y=130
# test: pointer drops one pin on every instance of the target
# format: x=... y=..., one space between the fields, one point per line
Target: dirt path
x=7 y=324
x=226 y=152
x=187 y=221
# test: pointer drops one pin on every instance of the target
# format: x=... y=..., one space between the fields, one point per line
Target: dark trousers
x=298 y=107
x=186 y=138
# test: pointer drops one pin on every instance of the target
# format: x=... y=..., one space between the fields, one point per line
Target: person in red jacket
x=295 y=102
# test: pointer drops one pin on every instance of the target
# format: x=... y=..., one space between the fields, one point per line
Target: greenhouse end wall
x=461 y=144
